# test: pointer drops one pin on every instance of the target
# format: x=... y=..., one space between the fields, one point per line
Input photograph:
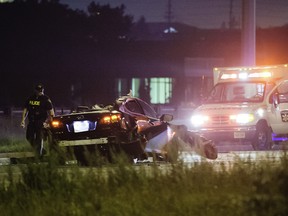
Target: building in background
x=173 y=67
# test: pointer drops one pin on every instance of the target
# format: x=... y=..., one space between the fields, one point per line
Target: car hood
x=227 y=108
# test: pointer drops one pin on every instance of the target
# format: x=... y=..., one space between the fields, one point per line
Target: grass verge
x=14 y=145
x=245 y=189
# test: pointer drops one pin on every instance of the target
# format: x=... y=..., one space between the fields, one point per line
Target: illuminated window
x=122 y=87
x=160 y=90
x=151 y=90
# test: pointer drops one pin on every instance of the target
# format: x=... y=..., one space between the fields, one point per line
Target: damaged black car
x=129 y=126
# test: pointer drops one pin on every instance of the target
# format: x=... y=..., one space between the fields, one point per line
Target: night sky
x=199 y=13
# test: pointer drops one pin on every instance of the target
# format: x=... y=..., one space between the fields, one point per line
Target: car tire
x=263 y=137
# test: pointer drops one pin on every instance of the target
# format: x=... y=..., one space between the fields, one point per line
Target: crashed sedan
x=129 y=125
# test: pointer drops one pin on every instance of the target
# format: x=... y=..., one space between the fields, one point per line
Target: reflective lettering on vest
x=34 y=103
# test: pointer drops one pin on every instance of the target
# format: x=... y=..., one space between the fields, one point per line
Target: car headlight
x=198 y=120
x=243 y=118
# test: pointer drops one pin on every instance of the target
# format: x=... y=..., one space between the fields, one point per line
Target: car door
x=278 y=117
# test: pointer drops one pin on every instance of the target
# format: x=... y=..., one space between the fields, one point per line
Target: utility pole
x=248 y=32
x=169 y=15
x=231 y=18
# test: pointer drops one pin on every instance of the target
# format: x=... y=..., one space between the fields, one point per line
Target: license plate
x=239 y=135
x=80 y=126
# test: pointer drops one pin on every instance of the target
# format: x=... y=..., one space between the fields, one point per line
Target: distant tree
x=43 y=40
x=108 y=24
x=140 y=29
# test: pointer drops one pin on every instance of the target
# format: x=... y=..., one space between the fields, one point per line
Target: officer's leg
x=30 y=134
x=39 y=140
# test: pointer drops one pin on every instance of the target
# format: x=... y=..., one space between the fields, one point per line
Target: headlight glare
x=260 y=112
x=198 y=120
x=242 y=118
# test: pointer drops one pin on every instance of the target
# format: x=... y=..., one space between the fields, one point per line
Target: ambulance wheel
x=263 y=137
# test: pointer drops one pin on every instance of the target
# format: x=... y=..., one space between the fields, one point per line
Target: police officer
x=39 y=110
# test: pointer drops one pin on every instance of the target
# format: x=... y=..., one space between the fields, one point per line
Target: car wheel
x=263 y=137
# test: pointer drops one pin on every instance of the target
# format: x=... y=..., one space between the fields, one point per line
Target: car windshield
x=237 y=92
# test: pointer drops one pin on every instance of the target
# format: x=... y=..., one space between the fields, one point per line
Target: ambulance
x=246 y=104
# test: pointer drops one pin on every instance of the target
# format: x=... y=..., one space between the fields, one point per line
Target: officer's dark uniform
x=37 y=107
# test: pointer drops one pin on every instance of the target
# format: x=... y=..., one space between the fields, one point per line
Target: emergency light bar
x=228 y=76
x=260 y=75
x=245 y=75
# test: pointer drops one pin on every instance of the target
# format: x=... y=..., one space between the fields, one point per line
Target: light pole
x=248 y=32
